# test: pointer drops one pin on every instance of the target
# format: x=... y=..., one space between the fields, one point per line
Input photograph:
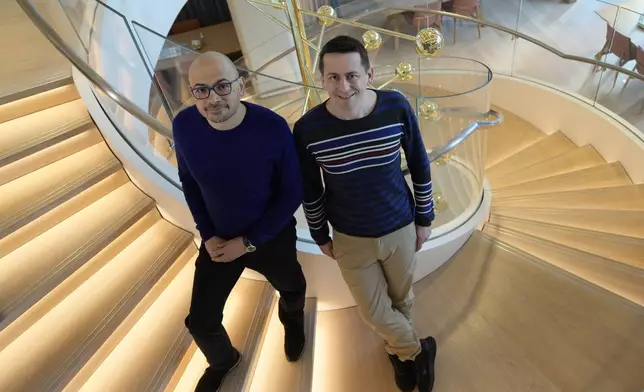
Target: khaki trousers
x=379 y=273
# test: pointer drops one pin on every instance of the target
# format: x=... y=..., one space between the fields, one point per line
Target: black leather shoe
x=425 y=364
x=212 y=378
x=404 y=373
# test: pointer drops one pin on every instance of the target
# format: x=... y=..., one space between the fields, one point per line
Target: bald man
x=240 y=175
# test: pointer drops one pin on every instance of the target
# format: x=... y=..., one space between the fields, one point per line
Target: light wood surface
x=504 y=323
x=603 y=176
x=29 y=134
x=576 y=159
x=43 y=355
x=238 y=316
x=145 y=346
x=544 y=148
x=626 y=223
x=273 y=372
x=29 y=60
x=627 y=250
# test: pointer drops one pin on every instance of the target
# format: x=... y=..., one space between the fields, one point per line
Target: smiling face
x=217 y=72
x=345 y=78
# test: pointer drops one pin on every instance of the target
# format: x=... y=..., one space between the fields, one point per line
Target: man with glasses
x=240 y=175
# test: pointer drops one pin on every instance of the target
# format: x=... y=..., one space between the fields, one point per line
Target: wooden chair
x=471 y=8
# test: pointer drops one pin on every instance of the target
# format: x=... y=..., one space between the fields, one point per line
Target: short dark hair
x=344 y=44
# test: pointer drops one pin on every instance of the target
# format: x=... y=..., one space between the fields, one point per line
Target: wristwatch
x=249 y=246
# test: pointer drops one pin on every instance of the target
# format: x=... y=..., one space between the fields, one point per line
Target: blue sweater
x=241 y=182
x=364 y=193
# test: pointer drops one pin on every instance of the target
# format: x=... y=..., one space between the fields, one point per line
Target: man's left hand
x=422 y=234
x=230 y=250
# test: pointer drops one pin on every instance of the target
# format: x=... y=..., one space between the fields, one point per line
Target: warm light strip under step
x=139 y=360
x=49 y=353
x=273 y=372
x=245 y=316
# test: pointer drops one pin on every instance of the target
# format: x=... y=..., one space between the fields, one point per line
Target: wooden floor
x=29 y=61
x=504 y=322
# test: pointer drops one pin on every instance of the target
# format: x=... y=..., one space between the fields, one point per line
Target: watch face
x=249 y=247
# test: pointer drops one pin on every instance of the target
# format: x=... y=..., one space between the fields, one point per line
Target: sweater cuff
x=424 y=220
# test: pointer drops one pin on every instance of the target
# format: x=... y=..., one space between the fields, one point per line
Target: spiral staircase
x=95 y=283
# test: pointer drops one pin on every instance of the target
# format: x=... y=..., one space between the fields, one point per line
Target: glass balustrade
x=449 y=93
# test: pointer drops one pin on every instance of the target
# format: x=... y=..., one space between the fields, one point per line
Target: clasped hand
x=222 y=251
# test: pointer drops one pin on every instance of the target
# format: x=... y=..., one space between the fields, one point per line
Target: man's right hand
x=327 y=249
x=212 y=246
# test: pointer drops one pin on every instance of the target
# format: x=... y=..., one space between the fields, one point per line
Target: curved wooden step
x=603 y=176
x=619 y=198
x=31 y=271
x=246 y=315
x=147 y=346
x=575 y=159
x=626 y=223
x=621 y=279
x=273 y=372
x=627 y=250
x=29 y=134
x=38 y=102
x=544 y=149
x=49 y=155
x=50 y=353
x=506 y=321
x=53 y=217
x=18 y=326
x=511 y=136
x=32 y=195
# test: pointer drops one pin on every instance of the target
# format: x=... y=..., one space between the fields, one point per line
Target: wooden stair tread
x=46 y=355
x=53 y=217
x=249 y=304
x=619 y=198
x=27 y=274
x=603 y=176
x=575 y=159
x=35 y=103
x=627 y=250
x=146 y=347
x=273 y=372
x=615 y=277
x=28 y=134
x=544 y=149
x=509 y=137
x=30 y=196
x=49 y=155
x=506 y=321
x=626 y=223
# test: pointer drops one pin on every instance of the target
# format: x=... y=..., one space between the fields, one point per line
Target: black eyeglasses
x=222 y=89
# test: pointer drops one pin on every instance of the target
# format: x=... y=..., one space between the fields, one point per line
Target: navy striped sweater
x=364 y=193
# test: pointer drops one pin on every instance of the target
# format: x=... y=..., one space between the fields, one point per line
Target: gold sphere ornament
x=404 y=71
x=429 y=42
x=440 y=204
x=372 y=39
x=326 y=10
x=429 y=110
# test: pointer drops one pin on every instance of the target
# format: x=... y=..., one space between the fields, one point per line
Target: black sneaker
x=212 y=379
x=294 y=343
x=294 y=339
x=404 y=373
x=425 y=364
